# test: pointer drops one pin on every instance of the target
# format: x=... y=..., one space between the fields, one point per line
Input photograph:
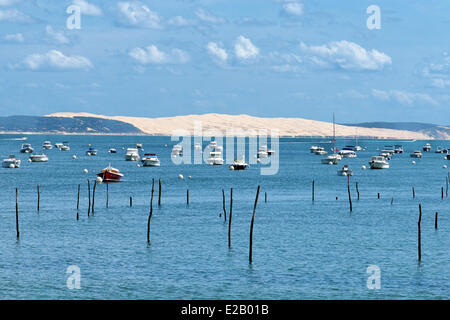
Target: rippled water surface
x=301 y=250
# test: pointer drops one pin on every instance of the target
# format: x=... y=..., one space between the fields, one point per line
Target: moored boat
x=426 y=147
x=345 y=171
x=331 y=159
x=378 y=162
x=47 y=145
x=91 y=152
x=132 y=154
x=11 y=162
x=38 y=158
x=110 y=174
x=26 y=148
x=398 y=148
x=416 y=154
x=112 y=150
x=239 y=164
x=150 y=160
x=346 y=153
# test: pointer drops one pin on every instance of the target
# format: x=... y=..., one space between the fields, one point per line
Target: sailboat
x=332 y=158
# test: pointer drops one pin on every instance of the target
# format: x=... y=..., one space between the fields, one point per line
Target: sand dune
x=286 y=126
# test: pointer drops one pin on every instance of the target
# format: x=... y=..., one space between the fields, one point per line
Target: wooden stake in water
x=93 y=196
x=89 y=195
x=313 y=190
x=357 y=189
x=419 y=246
x=414 y=192
x=392 y=201
x=446 y=187
x=251 y=226
x=187 y=196
x=265 y=196
x=107 y=195
x=17 y=213
x=131 y=202
x=159 y=194
x=378 y=195
x=349 y=195
x=78 y=198
x=436 y=220
x=442 y=192
x=38 y=197
x=223 y=206
x=151 y=212
x=231 y=214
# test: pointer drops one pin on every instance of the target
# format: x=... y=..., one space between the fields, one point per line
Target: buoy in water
x=189 y=177
x=99 y=180
x=29 y=160
x=85 y=171
x=363 y=167
x=180 y=176
x=74 y=157
x=413 y=162
x=231 y=167
x=445 y=166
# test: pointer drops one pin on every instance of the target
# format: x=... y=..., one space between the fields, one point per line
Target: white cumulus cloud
x=152 y=55
x=217 y=52
x=403 y=97
x=55 y=36
x=346 y=55
x=55 y=60
x=293 y=8
x=245 y=49
x=14 y=15
x=136 y=14
x=87 y=8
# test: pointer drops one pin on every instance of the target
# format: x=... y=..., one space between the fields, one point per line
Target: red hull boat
x=110 y=174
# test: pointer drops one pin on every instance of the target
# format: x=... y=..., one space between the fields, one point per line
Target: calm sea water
x=301 y=250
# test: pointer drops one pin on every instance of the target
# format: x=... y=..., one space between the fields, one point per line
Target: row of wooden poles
x=91 y=206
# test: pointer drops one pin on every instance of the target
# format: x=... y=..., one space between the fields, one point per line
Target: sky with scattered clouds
x=270 y=58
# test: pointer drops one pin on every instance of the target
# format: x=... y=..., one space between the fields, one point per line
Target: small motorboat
x=378 y=162
x=313 y=149
x=177 y=150
x=38 y=158
x=346 y=153
x=110 y=174
x=426 y=147
x=331 y=159
x=91 y=152
x=345 y=171
x=320 y=151
x=416 y=154
x=112 y=150
x=389 y=150
x=58 y=145
x=26 y=148
x=47 y=145
x=215 y=158
x=398 y=148
x=11 y=162
x=385 y=155
x=441 y=150
x=138 y=145
x=63 y=146
x=150 y=160
x=239 y=164
x=132 y=154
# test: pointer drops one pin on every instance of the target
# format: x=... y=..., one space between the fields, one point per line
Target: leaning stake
x=251 y=226
x=349 y=195
x=89 y=195
x=223 y=205
x=151 y=212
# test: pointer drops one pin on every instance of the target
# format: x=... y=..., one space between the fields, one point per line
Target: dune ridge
x=290 y=127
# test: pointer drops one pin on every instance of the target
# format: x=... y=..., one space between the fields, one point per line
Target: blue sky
x=271 y=58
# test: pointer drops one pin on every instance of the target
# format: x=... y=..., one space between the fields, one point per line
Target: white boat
x=26 y=148
x=385 y=155
x=62 y=146
x=416 y=154
x=345 y=153
x=215 y=158
x=378 y=162
x=441 y=150
x=139 y=145
x=177 y=150
x=239 y=164
x=345 y=171
x=389 y=150
x=11 y=162
x=398 y=148
x=38 y=158
x=112 y=150
x=426 y=147
x=150 y=160
x=91 y=152
x=132 y=154
x=262 y=152
x=47 y=145
x=320 y=151
x=331 y=159
x=313 y=149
